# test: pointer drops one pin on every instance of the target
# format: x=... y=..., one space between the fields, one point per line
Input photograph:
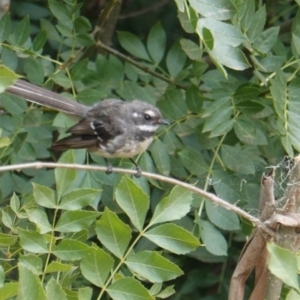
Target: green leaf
x=133 y=45
x=85 y=293
x=229 y=56
x=44 y=196
x=191 y=49
x=296 y=34
x=61 y=79
x=214 y=9
x=96 y=266
x=172 y=142
x=60 y=11
x=152 y=266
x=180 y=5
x=246 y=92
x=9 y=58
x=39 y=41
x=9 y=290
x=160 y=157
x=128 y=289
x=193 y=161
x=279 y=93
x=74 y=221
x=52 y=33
x=113 y=233
x=167 y=292
x=77 y=71
x=222 y=128
x=77 y=199
x=246 y=13
x=218 y=118
x=292 y=295
x=173 y=238
x=7 y=78
x=30 y=286
x=257 y=24
x=156 y=43
x=249 y=133
x=70 y=250
x=32 y=241
x=236 y=160
x=266 y=40
x=221 y=31
x=7 y=221
x=132 y=90
x=15 y=203
x=176 y=59
x=32 y=262
x=132 y=199
x=208 y=38
x=5 y=142
x=54 y=290
x=82 y=24
x=173 y=207
x=187 y=20
x=90 y=96
x=34 y=70
x=13 y=104
x=213 y=240
x=7 y=240
x=5 y=27
x=64 y=177
x=56 y=266
x=215 y=107
x=283 y=264
x=249 y=107
x=221 y=217
x=40 y=219
x=21 y=32
x=228 y=186
x=293 y=113
x=172 y=105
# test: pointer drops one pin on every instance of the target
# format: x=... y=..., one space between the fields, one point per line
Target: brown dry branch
x=288 y=237
x=285 y=223
x=254 y=255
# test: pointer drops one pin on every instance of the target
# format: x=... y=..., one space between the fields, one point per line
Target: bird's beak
x=163 y=122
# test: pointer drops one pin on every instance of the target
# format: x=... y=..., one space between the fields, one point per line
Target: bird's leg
x=108 y=167
x=138 y=169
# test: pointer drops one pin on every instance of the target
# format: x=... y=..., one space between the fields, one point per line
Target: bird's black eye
x=147 y=117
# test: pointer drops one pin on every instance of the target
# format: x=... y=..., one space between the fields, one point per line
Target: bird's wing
x=102 y=121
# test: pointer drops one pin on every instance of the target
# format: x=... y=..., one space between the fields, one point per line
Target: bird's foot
x=108 y=167
x=138 y=173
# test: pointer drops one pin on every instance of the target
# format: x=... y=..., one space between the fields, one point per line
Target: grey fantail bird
x=110 y=128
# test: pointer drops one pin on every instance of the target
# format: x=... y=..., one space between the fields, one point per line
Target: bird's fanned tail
x=47 y=98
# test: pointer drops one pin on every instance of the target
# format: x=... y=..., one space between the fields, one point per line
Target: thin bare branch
x=215 y=199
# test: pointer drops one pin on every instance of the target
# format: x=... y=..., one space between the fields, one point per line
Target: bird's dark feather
x=76 y=142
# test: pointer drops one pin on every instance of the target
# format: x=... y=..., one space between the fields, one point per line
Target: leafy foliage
x=229 y=87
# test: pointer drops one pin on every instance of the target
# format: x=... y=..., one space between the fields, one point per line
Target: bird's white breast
x=129 y=149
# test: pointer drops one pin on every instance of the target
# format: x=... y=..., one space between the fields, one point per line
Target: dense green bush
x=223 y=73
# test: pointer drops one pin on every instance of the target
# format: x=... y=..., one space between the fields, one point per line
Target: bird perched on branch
x=111 y=128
